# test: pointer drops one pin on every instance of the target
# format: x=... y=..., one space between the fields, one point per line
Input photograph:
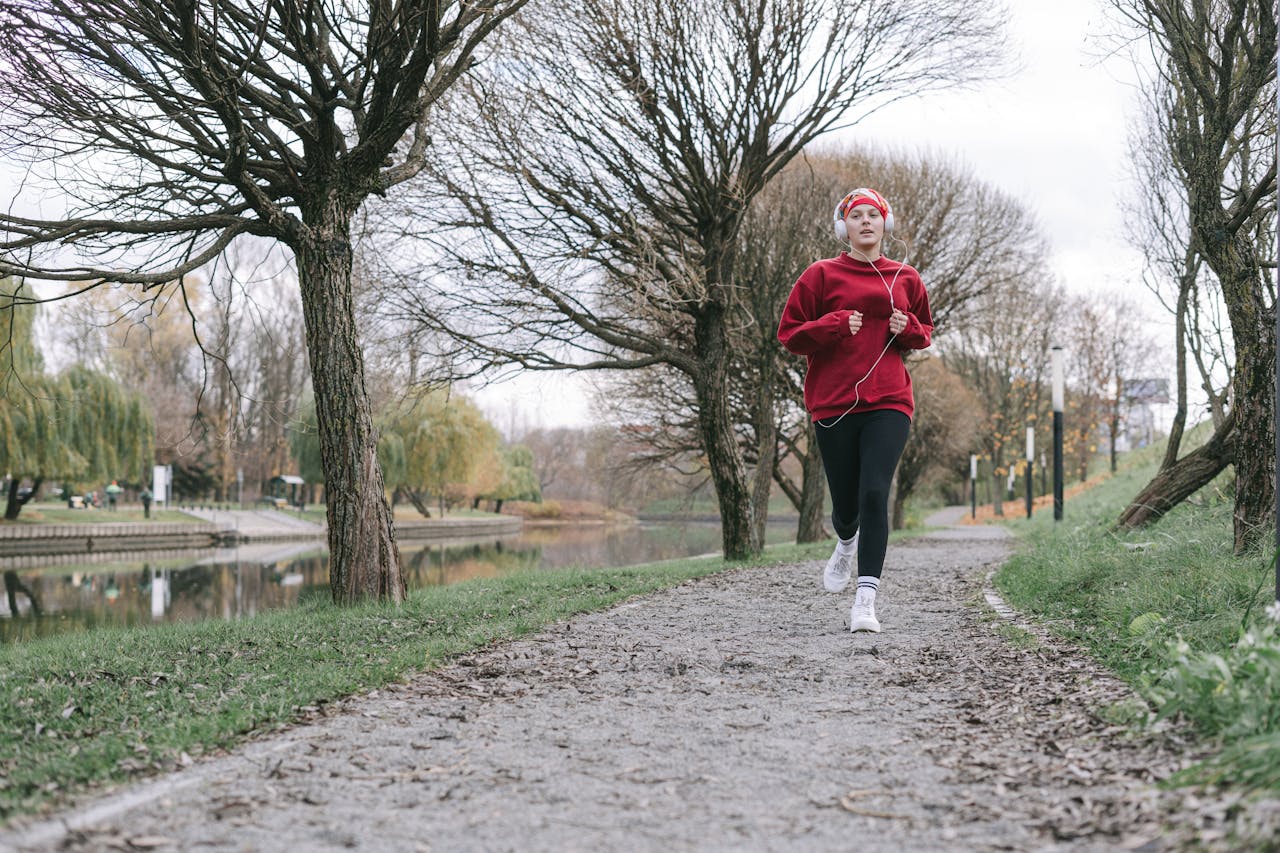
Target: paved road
x=260 y=523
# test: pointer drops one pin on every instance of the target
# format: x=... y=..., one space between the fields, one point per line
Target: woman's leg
x=882 y=436
x=839 y=446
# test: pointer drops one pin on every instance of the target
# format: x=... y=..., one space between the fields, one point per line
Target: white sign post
x=161 y=480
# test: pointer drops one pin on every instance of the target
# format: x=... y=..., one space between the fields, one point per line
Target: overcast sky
x=1053 y=134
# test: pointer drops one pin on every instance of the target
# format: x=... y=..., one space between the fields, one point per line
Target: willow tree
x=31 y=443
x=178 y=125
x=594 y=211
x=441 y=445
x=519 y=482
x=78 y=425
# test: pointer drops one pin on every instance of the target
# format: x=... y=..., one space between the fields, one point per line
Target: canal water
x=74 y=594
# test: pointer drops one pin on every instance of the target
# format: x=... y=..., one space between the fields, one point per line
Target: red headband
x=864 y=196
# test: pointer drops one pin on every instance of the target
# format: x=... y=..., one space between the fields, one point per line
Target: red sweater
x=815 y=324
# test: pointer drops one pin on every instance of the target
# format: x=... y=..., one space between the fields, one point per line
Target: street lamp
x=1059 y=392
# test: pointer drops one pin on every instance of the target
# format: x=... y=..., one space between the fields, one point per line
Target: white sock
x=846 y=546
x=868 y=586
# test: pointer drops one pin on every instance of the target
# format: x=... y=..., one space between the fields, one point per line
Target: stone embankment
x=38 y=542
x=44 y=539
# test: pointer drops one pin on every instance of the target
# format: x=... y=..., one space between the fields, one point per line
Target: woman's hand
x=855 y=322
x=897 y=321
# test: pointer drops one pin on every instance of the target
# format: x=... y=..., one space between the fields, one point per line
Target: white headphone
x=842 y=210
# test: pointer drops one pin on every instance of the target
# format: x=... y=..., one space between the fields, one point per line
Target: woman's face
x=866 y=227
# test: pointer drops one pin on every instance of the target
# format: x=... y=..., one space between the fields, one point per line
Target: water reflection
x=237 y=582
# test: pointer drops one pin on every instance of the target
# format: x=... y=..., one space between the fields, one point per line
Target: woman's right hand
x=855 y=322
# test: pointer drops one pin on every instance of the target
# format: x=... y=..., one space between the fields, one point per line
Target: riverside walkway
x=735 y=712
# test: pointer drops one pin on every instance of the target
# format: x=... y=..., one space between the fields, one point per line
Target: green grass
x=49 y=513
x=77 y=711
x=1091 y=582
x=1165 y=607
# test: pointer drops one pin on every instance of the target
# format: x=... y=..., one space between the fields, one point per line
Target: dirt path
x=735 y=712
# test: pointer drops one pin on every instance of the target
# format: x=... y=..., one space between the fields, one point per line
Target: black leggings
x=859 y=454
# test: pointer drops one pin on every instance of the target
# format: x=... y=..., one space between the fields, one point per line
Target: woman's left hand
x=897 y=322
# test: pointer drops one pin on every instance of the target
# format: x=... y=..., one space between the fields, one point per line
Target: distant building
x=1146 y=391
x=1139 y=427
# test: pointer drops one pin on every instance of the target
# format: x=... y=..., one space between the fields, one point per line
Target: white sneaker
x=863 y=615
x=839 y=568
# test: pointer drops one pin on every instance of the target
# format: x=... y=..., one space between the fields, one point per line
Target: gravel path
x=734 y=712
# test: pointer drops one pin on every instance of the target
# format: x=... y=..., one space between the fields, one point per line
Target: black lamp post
x=1059 y=392
x=1031 y=454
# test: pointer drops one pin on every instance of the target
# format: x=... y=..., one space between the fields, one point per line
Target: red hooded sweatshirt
x=815 y=324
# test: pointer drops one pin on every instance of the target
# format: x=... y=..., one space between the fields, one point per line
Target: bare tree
x=554 y=454
x=1000 y=348
x=1217 y=59
x=1106 y=351
x=275 y=361
x=1157 y=224
x=183 y=124
x=944 y=430
x=146 y=345
x=224 y=364
x=621 y=145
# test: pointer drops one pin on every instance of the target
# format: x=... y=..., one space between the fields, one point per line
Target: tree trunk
x=1243 y=280
x=419 y=501
x=1174 y=484
x=1254 y=415
x=1180 y=360
x=1113 y=418
x=364 y=561
x=813 y=491
x=719 y=443
x=1000 y=482
x=15 y=504
x=14 y=585
x=807 y=498
x=1114 y=427
x=766 y=425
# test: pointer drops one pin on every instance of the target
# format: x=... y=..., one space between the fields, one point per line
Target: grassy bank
x=1165 y=607
x=59 y=513
x=81 y=710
